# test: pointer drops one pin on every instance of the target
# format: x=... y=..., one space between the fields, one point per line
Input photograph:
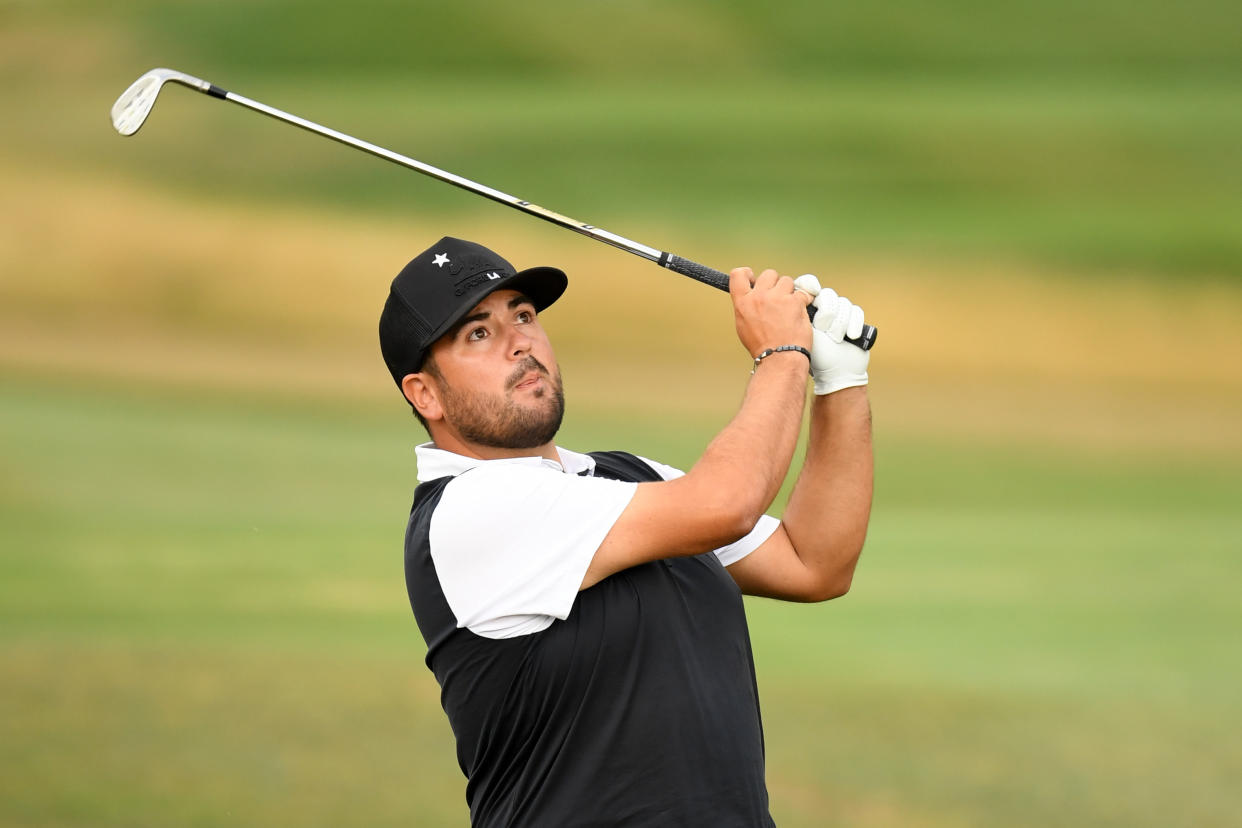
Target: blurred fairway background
x=204 y=469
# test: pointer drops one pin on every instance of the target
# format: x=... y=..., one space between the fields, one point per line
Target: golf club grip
x=715 y=278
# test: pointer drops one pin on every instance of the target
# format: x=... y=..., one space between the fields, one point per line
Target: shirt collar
x=434 y=463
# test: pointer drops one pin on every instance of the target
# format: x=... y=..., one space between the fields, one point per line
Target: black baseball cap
x=441 y=285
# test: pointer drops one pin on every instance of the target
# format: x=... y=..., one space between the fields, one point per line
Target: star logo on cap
x=440 y=260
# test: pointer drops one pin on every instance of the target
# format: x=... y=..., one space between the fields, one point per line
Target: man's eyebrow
x=520 y=299
x=474 y=317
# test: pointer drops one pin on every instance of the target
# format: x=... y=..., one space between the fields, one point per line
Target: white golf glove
x=835 y=363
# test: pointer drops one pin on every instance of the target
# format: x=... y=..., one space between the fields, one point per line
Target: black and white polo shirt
x=632 y=702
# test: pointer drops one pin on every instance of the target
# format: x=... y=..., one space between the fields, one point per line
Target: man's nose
x=519 y=343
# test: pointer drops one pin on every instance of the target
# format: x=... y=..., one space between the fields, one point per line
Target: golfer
x=583 y=613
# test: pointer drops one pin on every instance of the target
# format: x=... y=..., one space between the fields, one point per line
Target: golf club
x=134 y=105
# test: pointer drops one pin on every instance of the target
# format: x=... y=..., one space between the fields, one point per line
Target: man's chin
x=525 y=418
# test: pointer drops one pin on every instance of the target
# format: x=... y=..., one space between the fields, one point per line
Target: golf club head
x=131 y=109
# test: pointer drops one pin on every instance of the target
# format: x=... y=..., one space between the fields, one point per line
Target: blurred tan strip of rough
x=100 y=277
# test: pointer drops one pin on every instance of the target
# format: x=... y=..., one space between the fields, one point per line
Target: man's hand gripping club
x=835 y=364
x=768 y=312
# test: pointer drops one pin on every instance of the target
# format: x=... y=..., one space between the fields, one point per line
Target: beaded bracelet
x=771 y=351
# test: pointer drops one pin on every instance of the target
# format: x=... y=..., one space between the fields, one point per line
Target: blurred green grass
x=203 y=622
x=201 y=613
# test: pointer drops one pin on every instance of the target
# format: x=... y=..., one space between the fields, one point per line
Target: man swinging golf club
x=583 y=613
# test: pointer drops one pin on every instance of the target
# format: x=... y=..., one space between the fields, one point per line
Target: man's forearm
x=830 y=506
x=748 y=460
x=722 y=497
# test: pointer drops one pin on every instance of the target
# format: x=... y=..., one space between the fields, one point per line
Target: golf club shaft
x=677 y=264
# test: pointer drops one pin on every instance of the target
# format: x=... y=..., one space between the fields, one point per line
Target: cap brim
x=544 y=285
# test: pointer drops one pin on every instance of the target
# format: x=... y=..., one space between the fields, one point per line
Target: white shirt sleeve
x=511 y=543
x=740 y=548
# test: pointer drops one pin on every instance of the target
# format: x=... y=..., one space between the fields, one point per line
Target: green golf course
x=205 y=470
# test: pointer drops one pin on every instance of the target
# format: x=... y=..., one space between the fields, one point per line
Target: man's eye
x=477 y=334
x=525 y=316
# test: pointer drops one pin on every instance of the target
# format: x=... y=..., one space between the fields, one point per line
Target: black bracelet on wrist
x=771 y=351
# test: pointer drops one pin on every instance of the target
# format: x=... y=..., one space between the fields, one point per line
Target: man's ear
x=421 y=391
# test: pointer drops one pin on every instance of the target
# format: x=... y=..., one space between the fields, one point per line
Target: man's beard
x=497 y=421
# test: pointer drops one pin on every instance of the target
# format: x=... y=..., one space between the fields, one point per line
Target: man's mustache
x=525 y=367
